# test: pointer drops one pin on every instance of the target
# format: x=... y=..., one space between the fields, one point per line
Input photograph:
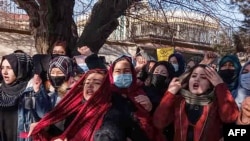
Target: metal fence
x=13 y=18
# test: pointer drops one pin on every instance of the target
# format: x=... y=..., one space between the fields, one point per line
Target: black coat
x=155 y=95
x=119 y=123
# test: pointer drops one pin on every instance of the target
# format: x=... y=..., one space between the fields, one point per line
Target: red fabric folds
x=89 y=114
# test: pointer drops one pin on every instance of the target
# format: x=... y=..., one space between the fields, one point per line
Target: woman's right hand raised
x=174 y=86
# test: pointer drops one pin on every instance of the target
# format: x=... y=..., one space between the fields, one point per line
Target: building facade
x=150 y=29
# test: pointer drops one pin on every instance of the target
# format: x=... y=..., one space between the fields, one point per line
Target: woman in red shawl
x=131 y=99
x=87 y=102
x=198 y=103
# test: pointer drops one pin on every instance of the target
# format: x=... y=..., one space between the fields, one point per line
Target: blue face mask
x=176 y=67
x=123 y=80
x=245 y=81
x=83 y=67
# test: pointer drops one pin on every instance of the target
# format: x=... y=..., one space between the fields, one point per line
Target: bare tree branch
x=102 y=22
x=31 y=7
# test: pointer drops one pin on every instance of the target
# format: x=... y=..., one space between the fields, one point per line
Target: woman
x=178 y=62
x=242 y=95
x=41 y=61
x=83 y=109
x=130 y=98
x=112 y=122
x=229 y=69
x=60 y=75
x=243 y=89
x=162 y=74
x=59 y=48
x=20 y=103
x=198 y=105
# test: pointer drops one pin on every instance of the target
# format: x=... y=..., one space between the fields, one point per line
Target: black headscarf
x=21 y=64
x=181 y=63
x=231 y=79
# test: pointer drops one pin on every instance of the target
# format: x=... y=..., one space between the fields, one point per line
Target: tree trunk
x=41 y=44
x=102 y=22
x=51 y=20
x=40 y=32
x=61 y=24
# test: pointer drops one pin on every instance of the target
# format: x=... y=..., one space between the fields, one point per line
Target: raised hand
x=208 y=58
x=213 y=76
x=144 y=101
x=174 y=86
x=245 y=111
x=140 y=62
x=32 y=126
x=37 y=81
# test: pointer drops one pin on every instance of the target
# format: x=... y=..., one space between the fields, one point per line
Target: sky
x=220 y=8
x=231 y=15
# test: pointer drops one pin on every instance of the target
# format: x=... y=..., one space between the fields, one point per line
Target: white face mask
x=245 y=80
x=176 y=67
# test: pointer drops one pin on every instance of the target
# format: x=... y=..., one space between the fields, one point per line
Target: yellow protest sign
x=164 y=53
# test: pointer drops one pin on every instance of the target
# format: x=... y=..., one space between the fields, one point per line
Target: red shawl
x=131 y=92
x=89 y=114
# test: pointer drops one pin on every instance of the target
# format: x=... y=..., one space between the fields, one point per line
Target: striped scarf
x=203 y=99
x=21 y=64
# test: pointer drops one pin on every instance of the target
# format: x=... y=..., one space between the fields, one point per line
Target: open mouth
x=90 y=91
x=195 y=86
x=6 y=77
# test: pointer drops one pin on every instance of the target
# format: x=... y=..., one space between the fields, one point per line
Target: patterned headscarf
x=22 y=65
x=64 y=63
x=89 y=114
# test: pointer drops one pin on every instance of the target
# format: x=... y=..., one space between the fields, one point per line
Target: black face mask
x=158 y=80
x=227 y=75
x=57 y=81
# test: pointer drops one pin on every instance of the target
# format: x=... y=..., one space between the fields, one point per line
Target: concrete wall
x=112 y=52
x=10 y=42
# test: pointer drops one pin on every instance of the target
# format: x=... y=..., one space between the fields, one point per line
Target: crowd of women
x=59 y=98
